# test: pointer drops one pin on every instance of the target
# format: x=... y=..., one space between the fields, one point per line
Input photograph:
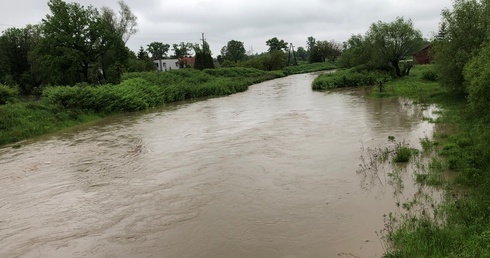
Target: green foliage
x=412 y=86
x=477 y=75
x=24 y=120
x=324 y=50
x=182 y=49
x=234 y=51
x=430 y=75
x=158 y=50
x=348 y=78
x=403 y=153
x=15 y=47
x=275 y=44
x=81 y=44
x=394 y=41
x=463 y=31
x=307 y=67
x=8 y=94
x=275 y=60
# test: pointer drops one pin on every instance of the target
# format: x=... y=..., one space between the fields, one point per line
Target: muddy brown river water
x=270 y=172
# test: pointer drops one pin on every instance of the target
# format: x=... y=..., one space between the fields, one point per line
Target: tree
x=310 y=43
x=234 y=51
x=394 y=41
x=158 y=50
x=462 y=34
x=325 y=50
x=16 y=46
x=276 y=44
x=275 y=60
x=203 y=59
x=302 y=54
x=142 y=54
x=125 y=22
x=182 y=49
x=75 y=40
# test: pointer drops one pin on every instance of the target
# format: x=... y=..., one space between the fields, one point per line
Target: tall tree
x=125 y=23
x=462 y=34
x=310 y=43
x=394 y=40
x=182 y=49
x=302 y=54
x=276 y=44
x=15 y=48
x=158 y=50
x=234 y=51
x=74 y=40
x=325 y=50
x=203 y=57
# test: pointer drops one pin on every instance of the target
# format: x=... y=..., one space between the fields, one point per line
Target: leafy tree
x=182 y=49
x=75 y=41
x=276 y=44
x=302 y=54
x=234 y=51
x=16 y=46
x=275 y=60
x=158 y=50
x=310 y=43
x=325 y=50
x=462 y=34
x=394 y=41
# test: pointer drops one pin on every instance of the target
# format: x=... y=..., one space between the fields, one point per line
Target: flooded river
x=270 y=172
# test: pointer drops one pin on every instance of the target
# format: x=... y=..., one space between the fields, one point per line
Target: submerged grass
x=458 y=226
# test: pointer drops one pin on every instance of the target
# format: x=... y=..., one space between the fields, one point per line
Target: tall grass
x=460 y=225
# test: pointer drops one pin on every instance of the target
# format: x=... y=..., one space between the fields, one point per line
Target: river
x=270 y=172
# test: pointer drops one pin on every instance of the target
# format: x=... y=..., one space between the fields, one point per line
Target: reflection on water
x=270 y=172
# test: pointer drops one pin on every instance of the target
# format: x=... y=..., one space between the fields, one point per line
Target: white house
x=166 y=64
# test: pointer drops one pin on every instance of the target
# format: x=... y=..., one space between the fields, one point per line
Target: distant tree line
x=234 y=54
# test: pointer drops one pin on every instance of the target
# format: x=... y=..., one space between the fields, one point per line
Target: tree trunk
x=397 y=68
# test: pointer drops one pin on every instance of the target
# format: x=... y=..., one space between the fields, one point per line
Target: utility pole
x=203 y=43
x=291 y=52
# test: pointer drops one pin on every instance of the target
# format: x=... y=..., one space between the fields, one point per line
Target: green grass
x=414 y=86
x=307 y=67
x=459 y=226
x=21 y=121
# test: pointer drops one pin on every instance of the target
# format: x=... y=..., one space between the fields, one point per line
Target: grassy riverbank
x=62 y=106
x=459 y=226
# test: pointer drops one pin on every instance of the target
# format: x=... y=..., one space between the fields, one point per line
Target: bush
x=429 y=75
x=8 y=94
x=349 y=78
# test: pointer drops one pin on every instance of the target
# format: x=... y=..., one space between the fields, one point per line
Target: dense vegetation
x=460 y=225
x=63 y=106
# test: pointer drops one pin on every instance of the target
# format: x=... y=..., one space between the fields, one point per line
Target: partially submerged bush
x=349 y=78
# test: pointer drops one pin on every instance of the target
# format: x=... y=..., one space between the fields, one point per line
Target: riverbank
x=459 y=225
x=61 y=106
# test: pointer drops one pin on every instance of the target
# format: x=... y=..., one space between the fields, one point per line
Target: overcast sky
x=251 y=21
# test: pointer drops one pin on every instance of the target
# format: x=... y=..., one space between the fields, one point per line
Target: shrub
x=349 y=78
x=429 y=75
x=8 y=94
